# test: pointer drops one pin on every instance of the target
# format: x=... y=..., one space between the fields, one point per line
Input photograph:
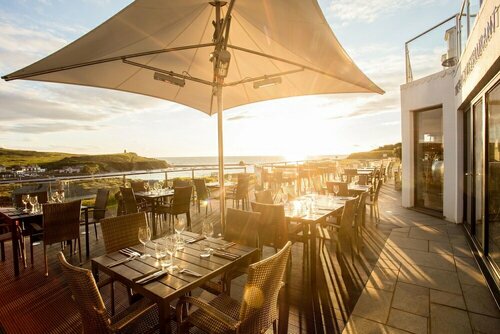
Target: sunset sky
x=55 y=117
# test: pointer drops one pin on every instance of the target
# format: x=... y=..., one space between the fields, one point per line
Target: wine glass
x=25 y=199
x=144 y=238
x=171 y=247
x=54 y=196
x=207 y=230
x=284 y=198
x=336 y=189
x=33 y=202
x=179 y=226
x=146 y=187
x=61 y=195
x=156 y=187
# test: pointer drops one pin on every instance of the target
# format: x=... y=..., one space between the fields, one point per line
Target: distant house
x=71 y=169
x=3 y=169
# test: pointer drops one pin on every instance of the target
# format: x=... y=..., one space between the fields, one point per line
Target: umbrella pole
x=222 y=193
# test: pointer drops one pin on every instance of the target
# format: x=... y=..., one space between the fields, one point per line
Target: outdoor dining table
x=174 y=284
x=154 y=198
x=216 y=184
x=356 y=189
x=15 y=216
x=324 y=206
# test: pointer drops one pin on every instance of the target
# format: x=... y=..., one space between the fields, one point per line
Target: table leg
x=164 y=310
x=312 y=252
x=87 y=237
x=15 y=248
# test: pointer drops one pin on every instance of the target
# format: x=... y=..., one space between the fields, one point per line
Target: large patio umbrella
x=195 y=52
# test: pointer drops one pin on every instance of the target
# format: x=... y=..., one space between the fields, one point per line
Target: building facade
x=451 y=135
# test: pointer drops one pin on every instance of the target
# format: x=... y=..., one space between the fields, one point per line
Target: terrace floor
x=415 y=274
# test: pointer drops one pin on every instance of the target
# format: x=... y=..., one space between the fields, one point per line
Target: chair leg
x=275 y=330
x=2 y=251
x=31 y=251
x=95 y=229
x=188 y=215
x=79 y=250
x=45 y=259
x=22 y=249
x=112 y=294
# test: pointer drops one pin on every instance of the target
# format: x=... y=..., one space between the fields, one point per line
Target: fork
x=190 y=272
x=117 y=263
x=128 y=251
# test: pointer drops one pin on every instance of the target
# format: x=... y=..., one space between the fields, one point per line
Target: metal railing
x=442 y=42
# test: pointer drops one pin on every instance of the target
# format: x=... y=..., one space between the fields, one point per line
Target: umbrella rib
x=105 y=60
x=152 y=68
x=306 y=67
x=267 y=76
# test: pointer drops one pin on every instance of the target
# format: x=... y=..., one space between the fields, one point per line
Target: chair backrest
x=129 y=201
x=316 y=181
x=181 y=199
x=95 y=318
x=361 y=208
x=122 y=231
x=343 y=188
x=177 y=183
x=201 y=189
x=377 y=190
x=137 y=186
x=259 y=307
x=242 y=186
x=120 y=209
x=61 y=221
x=346 y=230
x=264 y=196
x=362 y=180
x=101 y=202
x=273 y=227
x=242 y=227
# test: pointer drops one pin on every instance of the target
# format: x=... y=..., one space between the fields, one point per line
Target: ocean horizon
x=236 y=159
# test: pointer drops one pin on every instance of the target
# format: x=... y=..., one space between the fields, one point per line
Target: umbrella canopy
x=189 y=51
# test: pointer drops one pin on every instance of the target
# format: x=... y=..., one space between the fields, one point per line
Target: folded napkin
x=193 y=240
x=151 y=277
x=225 y=255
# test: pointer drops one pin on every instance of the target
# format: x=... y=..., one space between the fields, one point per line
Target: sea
x=183 y=165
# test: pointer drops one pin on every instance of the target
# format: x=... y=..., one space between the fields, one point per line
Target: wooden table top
x=324 y=206
x=173 y=284
x=153 y=194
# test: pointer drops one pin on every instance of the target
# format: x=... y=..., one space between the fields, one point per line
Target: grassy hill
x=386 y=151
x=10 y=158
x=93 y=163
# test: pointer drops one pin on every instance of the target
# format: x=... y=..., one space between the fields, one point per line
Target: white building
x=451 y=131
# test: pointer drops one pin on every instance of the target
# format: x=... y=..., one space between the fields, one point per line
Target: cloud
x=40 y=128
x=368 y=11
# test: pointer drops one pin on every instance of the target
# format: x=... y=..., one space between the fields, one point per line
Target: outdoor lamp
x=170 y=79
x=223 y=57
x=267 y=82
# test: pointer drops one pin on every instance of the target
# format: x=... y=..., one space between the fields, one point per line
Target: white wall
x=434 y=90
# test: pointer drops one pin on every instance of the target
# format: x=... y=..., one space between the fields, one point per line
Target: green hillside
x=93 y=163
x=10 y=158
x=386 y=151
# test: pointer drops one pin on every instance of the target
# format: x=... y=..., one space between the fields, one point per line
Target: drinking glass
x=25 y=199
x=144 y=238
x=156 y=187
x=284 y=198
x=171 y=247
x=161 y=254
x=146 y=187
x=179 y=226
x=33 y=202
x=207 y=230
x=54 y=196
x=61 y=195
x=336 y=189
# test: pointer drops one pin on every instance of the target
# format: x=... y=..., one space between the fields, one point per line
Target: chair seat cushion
x=206 y=322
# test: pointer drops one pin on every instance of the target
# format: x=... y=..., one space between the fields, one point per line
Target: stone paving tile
x=433 y=260
x=446 y=319
x=428 y=233
x=430 y=278
x=365 y=307
x=408 y=321
x=383 y=278
x=411 y=298
x=396 y=241
x=468 y=271
x=358 y=325
x=479 y=300
x=484 y=324
x=440 y=247
x=462 y=250
x=448 y=299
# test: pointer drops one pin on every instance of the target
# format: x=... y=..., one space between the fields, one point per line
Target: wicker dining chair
x=373 y=202
x=264 y=196
x=257 y=311
x=359 y=220
x=180 y=204
x=129 y=201
x=347 y=229
x=6 y=236
x=98 y=209
x=240 y=192
x=141 y=317
x=61 y=223
x=241 y=228
x=202 y=195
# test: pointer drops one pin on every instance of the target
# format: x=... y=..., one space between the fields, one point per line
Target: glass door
x=468 y=171
x=478 y=144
